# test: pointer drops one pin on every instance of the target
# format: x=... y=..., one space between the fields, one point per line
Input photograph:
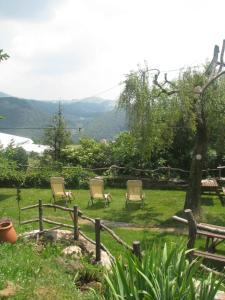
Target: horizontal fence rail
x=201 y=226
x=113 y=168
x=75 y=214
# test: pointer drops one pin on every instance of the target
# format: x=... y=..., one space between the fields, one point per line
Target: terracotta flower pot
x=7 y=232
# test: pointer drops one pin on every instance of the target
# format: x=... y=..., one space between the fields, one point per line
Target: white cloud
x=84 y=47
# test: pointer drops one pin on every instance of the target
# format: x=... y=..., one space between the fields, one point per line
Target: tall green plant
x=57 y=136
x=160 y=275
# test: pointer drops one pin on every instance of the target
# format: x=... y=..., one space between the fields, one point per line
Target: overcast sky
x=69 y=49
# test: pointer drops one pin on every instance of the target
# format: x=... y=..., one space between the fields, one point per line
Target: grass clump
x=162 y=274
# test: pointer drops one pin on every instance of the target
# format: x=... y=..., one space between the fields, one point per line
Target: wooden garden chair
x=97 y=191
x=134 y=192
x=58 y=189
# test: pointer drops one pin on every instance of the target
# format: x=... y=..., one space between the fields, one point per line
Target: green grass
x=160 y=206
x=39 y=273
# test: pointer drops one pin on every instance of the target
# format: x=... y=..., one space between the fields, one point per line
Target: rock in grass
x=72 y=250
x=9 y=290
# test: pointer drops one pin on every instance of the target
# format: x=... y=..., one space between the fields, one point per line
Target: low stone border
x=77 y=248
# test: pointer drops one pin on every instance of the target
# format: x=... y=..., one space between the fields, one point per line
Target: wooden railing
x=75 y=214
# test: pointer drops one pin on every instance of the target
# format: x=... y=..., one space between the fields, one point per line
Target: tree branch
x=212 y=66
x=160 y=86
x=221 y=57
x=167 y=81
x=211 y=81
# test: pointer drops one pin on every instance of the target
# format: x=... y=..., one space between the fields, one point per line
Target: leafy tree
x=3 y=56
x=196 y=98
x=89 y=154
x=126 y=152
x=18 y=155
x=57 y=135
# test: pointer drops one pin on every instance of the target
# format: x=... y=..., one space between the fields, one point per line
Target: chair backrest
x=96 y=187
x=57 y=185
x=134 y=187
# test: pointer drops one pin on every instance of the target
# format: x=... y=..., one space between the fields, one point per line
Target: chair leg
x=70 y=197
x=90 y=201
x=54 y=200
x=106 y=201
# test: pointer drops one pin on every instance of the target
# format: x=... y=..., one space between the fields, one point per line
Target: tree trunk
x=193 y=195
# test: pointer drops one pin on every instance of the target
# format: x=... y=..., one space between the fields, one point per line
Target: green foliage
x=12 y=174
x=150 y=114
x=16 y=154
x=3 y=56
x=77 y=177
x=57 y=136
x=162 y=274
x=126 y=153
x=74 y=177
x=9 y=174
x=89 y=154
x=158 y=120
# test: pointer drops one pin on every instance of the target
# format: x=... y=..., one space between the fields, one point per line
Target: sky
x=73 y=49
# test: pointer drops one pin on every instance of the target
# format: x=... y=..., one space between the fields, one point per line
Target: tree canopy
x=195 y=100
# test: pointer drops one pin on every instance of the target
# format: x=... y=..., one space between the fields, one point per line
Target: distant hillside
x=4 y=95
x=107 y=125
x=96 y=116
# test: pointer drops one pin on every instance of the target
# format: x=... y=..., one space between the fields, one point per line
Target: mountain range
x=97 y=117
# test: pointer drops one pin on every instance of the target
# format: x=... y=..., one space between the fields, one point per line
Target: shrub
x=77 y=177
x=162 y=274
x=40 y=177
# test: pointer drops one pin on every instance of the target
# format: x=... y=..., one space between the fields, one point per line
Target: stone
x=9 y=290
x=220 y=296
x=72 y=250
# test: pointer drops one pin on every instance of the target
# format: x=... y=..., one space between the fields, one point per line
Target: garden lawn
x=160 y=206
x=38 y=274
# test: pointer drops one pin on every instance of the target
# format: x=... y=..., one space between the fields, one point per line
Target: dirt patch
x=44 y=293
x=9 y=290
x=96 y=285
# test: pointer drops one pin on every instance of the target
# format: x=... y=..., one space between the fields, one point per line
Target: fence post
x=192 y=231
x=219 y=168
x=18 y=199
x=41 y=227
x=169 y=172
x=75 y=223
x=97 y=240
x=137 y=249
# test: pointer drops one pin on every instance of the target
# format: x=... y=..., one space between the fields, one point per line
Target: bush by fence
x=39 y=177
x=78 y=177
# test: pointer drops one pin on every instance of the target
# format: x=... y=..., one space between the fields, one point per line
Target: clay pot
x=7 y=232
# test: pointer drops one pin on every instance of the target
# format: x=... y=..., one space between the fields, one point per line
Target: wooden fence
x=75 y=214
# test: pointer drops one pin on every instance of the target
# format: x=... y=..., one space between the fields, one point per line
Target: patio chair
x=134 y=192
x=58 y=189
x=97 y=191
